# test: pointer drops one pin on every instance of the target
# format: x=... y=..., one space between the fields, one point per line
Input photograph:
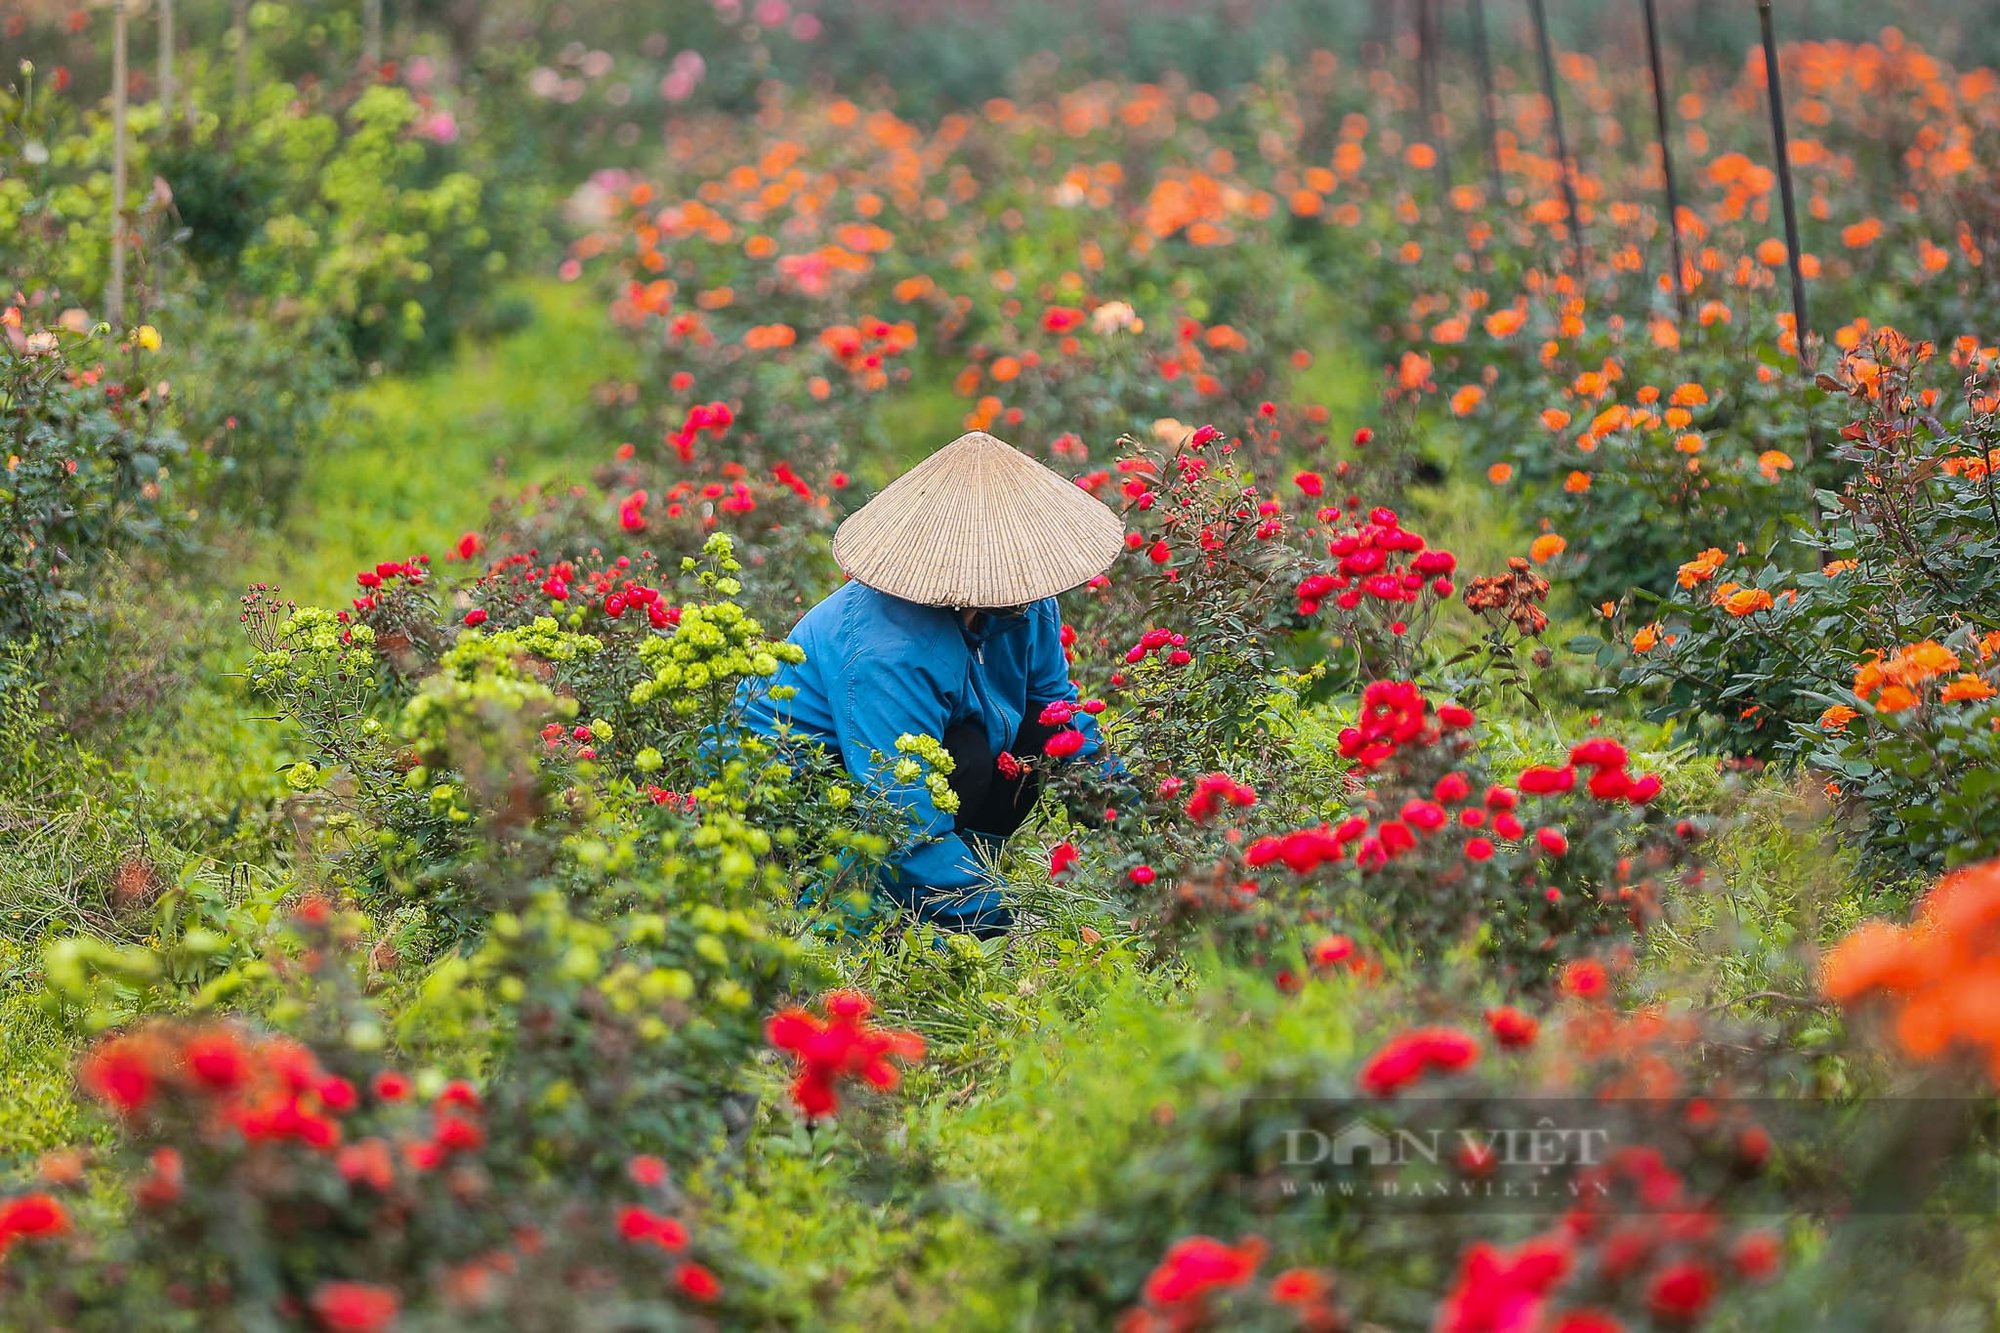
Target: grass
x=411 y=463
x=422 y=457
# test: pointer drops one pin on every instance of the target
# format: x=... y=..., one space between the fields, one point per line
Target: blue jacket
x=878 y=667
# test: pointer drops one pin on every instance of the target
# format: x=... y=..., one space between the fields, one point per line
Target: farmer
x=949 y=629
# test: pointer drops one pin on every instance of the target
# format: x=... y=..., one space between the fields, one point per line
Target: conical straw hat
x=978 y=524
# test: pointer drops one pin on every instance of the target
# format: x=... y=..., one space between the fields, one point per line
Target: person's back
x=859 y=640
x=852 y=624
x=878 y=668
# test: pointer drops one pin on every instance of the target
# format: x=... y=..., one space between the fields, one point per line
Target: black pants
x=989 y=801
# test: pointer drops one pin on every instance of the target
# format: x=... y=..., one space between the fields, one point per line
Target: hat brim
x=979 y=524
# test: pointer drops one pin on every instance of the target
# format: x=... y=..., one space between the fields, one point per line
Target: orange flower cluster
x=1702 y=568
x=864 y=349
x=1649 y=637
x=1199 y=207
x=1740 y=601
x=1516 y=596
x=1895 y=682
x=1939 y=976
x=1974 y=467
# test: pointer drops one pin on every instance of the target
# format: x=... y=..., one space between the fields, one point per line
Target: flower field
x=1553 y=667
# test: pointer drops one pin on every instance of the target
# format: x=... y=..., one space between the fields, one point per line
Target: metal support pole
x=114 y=297
x=1429 y=50
x=166 y=60
x=1665 y=125
x=1548 y=65
x=1787 y=195
x=1781 y=144
x=1489 y=117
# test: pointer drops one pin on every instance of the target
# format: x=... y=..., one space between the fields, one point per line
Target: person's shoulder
x=877 y=620
x=1046 y=616
x=823 y=617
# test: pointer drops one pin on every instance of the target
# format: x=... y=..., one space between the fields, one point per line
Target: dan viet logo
x=1363 y=1143
x=1364 y=1159
x=1543 y=1146
x=1544 y=1156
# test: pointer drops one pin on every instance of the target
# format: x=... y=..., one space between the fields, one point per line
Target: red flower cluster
x=1060 y=712
x=355 y=1307
x=1336 y=950
x=31 y=1217
x=672 y=800
x=1501 y=1291
x=785 y=476
x=1395 y=714
x=619 y=586
x=1639 y=1238
x=639 y=1225
x=268 y=1090
x=1397 y=743
x=1179 y=1294
x=1201 y=1264
x=1382 y=560
x=573 y=742
x=1215 y=792
x=1608 y=779
x=731 y=495
x=865 y=347
x=643 y=1226
x=414 y=570
x=1152 y=641
x=715 y=418
x=839 y=1048
x=1511 y=1027
x=1415 y=1054
x=1061 y=318
x=1063 y=743
x=1305 y=850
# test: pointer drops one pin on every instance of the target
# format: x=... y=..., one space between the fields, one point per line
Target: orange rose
x=1746 y=601
x=1965 y=688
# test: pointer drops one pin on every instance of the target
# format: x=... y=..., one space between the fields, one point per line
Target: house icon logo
x=1359 y=1143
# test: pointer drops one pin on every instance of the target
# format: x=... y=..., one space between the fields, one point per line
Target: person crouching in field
x=948 y=628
